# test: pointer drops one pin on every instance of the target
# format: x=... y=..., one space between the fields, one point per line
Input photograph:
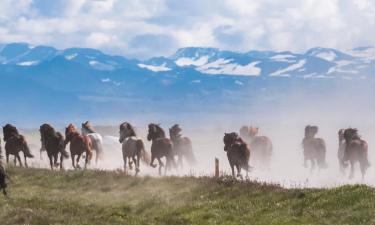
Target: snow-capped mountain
x=78 y=82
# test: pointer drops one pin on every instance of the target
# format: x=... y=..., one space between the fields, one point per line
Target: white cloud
x=113 y=25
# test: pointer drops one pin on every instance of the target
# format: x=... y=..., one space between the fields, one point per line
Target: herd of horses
x=352 y=149
x=238 y=147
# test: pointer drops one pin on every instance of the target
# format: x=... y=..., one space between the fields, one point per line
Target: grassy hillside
x=98 y=197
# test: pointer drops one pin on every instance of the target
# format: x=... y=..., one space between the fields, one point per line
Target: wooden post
x=217 y=174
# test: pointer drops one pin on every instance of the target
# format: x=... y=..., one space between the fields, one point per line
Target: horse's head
x=87 y=128
x=229 y=139
x=9 y=131
x=175 y=132
x=311 y=131
x=253 y=131
x=155 y=131
x=244 y=132
x=70 y=130
x=126 y=130
x=351 y=134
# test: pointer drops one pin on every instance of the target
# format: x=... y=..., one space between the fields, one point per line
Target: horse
x=53 y=142
x=182 y=146
x=96 y=140
x=341 y=151
x=78 y=145
x=14 y=143
x=238 y=153
x=3 y=177
x=160 y=147
x=355 y=151
x=261 y=146
x=133 y=147
x=314 y=149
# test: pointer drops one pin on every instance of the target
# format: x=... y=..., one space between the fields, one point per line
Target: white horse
x=96 y=140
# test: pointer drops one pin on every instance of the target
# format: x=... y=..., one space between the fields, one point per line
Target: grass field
x=40 y=196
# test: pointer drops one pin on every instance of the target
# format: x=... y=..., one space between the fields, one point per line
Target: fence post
x=217 y=168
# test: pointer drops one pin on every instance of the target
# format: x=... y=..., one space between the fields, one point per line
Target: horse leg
x=238 y=171
x=73 y=162
x=15 y=160
x=312 y=165
x=136 y=162
x=125 y=160
x=25 y=161
x=77 y=161
x=152 y=161
x=19 y=159
x=130 y=164
x=61 y=161
x=50 y=161
x=160 y=165
x=96 y=156
x=351 y=169
x=7 y=155
x=363 y=166
x=180 y=161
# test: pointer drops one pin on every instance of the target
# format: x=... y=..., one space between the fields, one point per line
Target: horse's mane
x=88 y=127
x=72 y=128
x=351 y=134
x=129 y=127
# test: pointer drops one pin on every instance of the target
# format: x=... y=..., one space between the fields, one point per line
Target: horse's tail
x=145 y=156
x=26 y=149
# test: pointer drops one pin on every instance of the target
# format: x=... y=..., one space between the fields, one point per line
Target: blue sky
x=143 y=28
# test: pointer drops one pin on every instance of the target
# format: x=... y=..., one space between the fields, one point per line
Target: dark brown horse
x=355 y=151
x=53 y=142
x=3 y=177
x=238 y=153
x=182 y=146
x=314 y=149
x=160 y=147
x=341 y=151
x=79 y=144
x=261 y=146
x=14 y=143
x=133 y=148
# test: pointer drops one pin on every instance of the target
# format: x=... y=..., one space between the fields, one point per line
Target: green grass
x=40 y=196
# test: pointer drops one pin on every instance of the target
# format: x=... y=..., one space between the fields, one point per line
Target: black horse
x=160 y=147
x=53 y=143
x=14 y=143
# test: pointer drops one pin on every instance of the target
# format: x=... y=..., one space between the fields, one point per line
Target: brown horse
x=182 y=146
x=14 y=143
x=238 y=153
x=261 y=146
x=341 y=151
x=355 y=151
x=314 y=149
x=78 y=145
x=53 y=142
x=132 y=147
x=96 y=140
x=160 y=147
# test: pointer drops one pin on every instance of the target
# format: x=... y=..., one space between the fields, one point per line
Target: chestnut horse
x=14 y=143
x=355 y=151
x=182 y=146
x=160 y=147
x=53 y=142
x=261 y=146
x=132 y=147
x=314 y=149
x=78 y=145
x=96 y=140
x=238 y=153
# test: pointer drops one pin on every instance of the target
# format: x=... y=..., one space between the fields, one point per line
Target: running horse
x=161 y=147
x=238 y=153
x=15 y=143
x=96 y=140
x=53 y=142
x=355 y=151
x=79 y=144
x=133 y=148
x=314 y=149
x=261 y=146
x=182 y=146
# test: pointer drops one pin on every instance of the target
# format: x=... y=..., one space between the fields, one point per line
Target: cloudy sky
x=143 y=28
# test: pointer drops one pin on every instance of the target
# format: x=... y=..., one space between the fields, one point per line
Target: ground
x=39 y=196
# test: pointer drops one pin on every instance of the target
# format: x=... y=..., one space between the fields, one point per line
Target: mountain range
x=40 y=83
